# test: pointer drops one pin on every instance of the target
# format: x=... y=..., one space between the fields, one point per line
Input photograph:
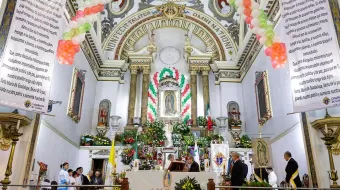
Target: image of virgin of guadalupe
x=170 y=103
x=262 y=158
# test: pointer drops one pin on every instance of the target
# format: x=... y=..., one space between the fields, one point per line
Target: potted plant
x=101 y=141
x=129 y=136
x=235 y=124
x=127 y=155
x=257 y=185
x=201 y=122
x=188 y=184
x=245 y=142
x=154 y=135
x=86 y=140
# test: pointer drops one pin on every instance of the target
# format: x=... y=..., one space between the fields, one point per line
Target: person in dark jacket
x=245 y=170
x=237 y=172
x=292 y=172
x=97 y=179
x=194 y=167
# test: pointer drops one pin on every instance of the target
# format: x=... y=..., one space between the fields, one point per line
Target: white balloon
x=276 y=39
x=240 y=10
x=75 y=40
x=73 y=24
x=262 y=40
x=255 y=13
x=88 y=18
x=87 y=4
x=255 y=22
x=96 y=2
x=269 y=23
x=81 y=20
x=261 y=31
x=255 y=5
x=255 y=30
x=81 y=37
x=238 y=3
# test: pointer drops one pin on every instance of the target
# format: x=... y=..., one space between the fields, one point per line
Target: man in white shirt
x=272 y=179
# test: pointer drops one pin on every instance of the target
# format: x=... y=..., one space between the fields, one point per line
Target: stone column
x=206 y=97
x=193 y=86
x=132 y=96
x=145 y=88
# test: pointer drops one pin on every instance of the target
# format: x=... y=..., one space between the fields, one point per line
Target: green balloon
x=270 y=34
x=67 y=36
x=82 y=29
x=270 y=27
x=268 y=43
x=263 y=24
x=87 y=26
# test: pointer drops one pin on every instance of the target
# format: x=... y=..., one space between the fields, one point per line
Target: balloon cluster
x=264 y=30
x=87 y=13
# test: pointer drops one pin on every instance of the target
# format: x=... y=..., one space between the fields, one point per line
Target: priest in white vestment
x=272 y=178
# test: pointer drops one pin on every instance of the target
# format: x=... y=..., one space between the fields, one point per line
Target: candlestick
x=326 y=128
x=18 y=125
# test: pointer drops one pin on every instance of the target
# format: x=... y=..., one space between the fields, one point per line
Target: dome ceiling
x=122 y=15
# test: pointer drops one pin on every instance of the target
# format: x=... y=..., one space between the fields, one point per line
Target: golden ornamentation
x=330 y=128
x=171 y=10
x=336 y=147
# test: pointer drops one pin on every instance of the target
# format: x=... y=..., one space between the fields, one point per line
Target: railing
x=121 y=187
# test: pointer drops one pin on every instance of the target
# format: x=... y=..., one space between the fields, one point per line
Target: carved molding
x=227 y=76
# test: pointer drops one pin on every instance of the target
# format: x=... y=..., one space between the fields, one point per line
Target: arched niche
x=104 y=113
x=233 y=110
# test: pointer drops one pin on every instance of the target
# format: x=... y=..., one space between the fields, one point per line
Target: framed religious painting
x=263 y=104
x=261 y=156
x=76 y=95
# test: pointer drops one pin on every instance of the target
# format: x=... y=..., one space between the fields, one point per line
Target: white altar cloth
x=153 y=180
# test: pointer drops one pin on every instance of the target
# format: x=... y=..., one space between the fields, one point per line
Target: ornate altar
x=169 y=96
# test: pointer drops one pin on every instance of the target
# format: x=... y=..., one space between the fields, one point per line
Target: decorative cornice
x=227 y=76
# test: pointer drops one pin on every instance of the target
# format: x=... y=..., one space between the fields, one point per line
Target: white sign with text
x=29 y=56
x=313 y=54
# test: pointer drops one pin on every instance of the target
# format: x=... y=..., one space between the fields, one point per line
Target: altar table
x=153 y=180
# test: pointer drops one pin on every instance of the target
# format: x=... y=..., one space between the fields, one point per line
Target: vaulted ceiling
x=105 y=43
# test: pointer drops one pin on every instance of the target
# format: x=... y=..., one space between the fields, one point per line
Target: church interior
x=161 y=78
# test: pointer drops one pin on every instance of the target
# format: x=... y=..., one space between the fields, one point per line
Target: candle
x=326 y=128
x=18 y=125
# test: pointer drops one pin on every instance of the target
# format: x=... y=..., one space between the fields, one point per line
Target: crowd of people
x=76 y=177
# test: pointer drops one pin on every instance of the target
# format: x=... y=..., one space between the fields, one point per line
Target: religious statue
x=170 y=100
x=225 y=8
x=104 y=113
x=262 y=158
x=168 y=134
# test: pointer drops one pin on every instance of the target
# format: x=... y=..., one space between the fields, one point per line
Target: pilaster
x=193 y=86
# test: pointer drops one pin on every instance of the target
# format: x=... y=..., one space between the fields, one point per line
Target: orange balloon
x=247 y=12
x=246 y=3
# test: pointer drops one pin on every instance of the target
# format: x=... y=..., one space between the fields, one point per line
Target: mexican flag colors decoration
x=153 y=93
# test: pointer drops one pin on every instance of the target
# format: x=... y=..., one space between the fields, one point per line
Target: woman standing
x=63 y=178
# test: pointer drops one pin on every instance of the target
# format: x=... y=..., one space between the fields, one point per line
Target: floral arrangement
x=201 y=121
x=187 y=184
x=127 y=155
x=234 y=122
x=118 y=138
x=189 y=140
x=245 y=142
x=215 y=137
x=214 y=122
x=101 y=141
x=154 y=134
x=255 y=184
x=86 y=140
x=129 y=136
x=203 y=142
x=181 y=128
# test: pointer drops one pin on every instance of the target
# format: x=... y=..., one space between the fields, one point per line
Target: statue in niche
x=262 y=154
x=233 y=111
x=170 y=103
x=104 y=113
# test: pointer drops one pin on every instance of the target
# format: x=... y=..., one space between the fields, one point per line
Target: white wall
x=281 y=100
x=52 y=146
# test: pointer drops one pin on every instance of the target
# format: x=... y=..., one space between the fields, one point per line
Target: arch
x=233 y=108
x=206 y=28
